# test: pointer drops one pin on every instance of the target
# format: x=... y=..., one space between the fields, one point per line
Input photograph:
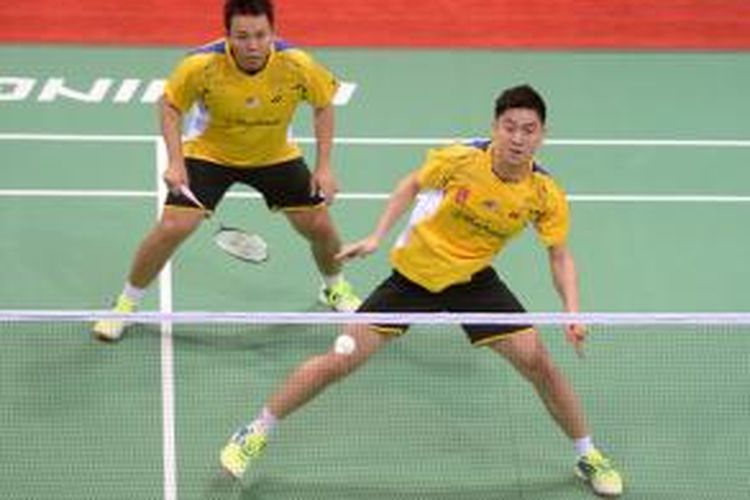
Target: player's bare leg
x=351 y=350
x=530 y=358
x=527 y=354
x=318 y=372
x=157 y=247
x=316 y=226
x=175 y=225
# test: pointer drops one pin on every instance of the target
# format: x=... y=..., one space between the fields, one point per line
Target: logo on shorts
x=252 y=102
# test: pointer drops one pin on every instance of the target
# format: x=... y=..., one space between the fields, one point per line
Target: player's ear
x=494 y=125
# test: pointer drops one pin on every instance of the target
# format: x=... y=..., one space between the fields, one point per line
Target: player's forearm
x=171 y=130
x=565 y=277
x=401 y=198
x=324 y=130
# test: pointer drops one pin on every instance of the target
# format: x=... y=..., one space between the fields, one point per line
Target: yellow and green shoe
x=246 y=444
x=340 y=297
x=112 y=329
x=598 y=471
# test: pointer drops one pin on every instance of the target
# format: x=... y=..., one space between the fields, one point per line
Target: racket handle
x=187 y=193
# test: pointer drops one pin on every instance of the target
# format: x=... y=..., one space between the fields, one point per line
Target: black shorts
x=485 y=293
x=283 y=185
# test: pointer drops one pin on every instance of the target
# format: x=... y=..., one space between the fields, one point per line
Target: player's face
x=517 y=134
x=250 y=38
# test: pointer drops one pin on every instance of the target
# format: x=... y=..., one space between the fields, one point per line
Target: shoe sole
x=586 y=480
x=107 y=336
x=104 y=338
x=231 y=474
x=333 y=308
x=324 y=301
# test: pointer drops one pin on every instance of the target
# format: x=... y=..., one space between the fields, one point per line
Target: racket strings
x=235 y=242
x=245 y=246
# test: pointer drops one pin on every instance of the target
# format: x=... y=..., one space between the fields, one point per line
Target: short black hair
x=521 y=96
x=247 y=7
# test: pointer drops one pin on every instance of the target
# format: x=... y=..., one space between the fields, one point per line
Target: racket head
x=242 y=245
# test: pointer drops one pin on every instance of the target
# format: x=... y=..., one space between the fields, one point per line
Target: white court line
x=169 y=442
x=594 y=198
x=401 y=141
x=78 y=137
x=75 y=193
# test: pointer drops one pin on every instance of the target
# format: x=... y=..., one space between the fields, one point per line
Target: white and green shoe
x=340 y=297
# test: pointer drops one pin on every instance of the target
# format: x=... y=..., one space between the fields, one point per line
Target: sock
x=333 y=280
x=133 y=293
x=584 y=445
x=265 y=420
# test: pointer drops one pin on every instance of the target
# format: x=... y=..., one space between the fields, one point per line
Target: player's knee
x=316 y=226
x=174 y=226
x=539 y=368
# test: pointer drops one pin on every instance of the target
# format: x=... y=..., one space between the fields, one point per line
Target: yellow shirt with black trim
x=242 y=120
x=466 y=215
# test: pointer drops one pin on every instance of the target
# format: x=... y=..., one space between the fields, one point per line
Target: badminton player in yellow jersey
x=241 y=93
x=475 y=198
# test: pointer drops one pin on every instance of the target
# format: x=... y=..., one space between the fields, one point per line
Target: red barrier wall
x=538 y=24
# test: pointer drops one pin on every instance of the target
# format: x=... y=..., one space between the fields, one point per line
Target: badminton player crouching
x=474 y=199
x=245 y=88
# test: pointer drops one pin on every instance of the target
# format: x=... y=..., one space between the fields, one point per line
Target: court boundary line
x=386 y=141
x=397 y=141
x=169 y=441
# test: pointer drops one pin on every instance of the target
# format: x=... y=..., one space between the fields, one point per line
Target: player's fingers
x=327 y=190
x=346 y=253
x=175 y=183
x=577 y=336
x=578 y=346
x=362 y=248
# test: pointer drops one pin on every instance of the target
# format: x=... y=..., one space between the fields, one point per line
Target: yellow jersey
x=465 y=215
x=242 y=120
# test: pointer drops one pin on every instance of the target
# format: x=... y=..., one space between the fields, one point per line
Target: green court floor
x=654 y=150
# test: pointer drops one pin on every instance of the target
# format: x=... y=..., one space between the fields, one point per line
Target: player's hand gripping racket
x=234 y=241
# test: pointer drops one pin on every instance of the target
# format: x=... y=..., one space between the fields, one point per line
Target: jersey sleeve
x=437 y=168
x=553 y=223
x=320 y=83
x=182 y=88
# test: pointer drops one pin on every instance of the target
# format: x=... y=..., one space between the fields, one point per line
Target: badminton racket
x=237 y=242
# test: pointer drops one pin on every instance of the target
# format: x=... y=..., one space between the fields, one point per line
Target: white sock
x=583 y=445
x=133 y=293
x=265 y=420
x=333 y=280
